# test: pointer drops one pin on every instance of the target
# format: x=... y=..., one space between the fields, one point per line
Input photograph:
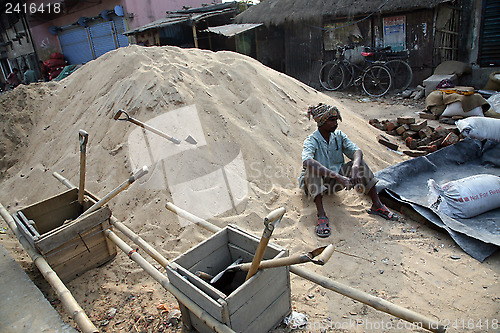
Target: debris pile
x=419 y=137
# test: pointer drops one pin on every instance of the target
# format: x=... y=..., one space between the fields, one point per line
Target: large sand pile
x=252 y=118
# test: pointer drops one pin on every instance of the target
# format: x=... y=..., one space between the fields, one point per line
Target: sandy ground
x=249 y=123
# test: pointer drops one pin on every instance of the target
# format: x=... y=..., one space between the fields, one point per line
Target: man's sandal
x=323 y=227
x=384 y=212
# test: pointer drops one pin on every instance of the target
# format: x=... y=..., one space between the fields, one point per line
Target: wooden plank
x=214 y=262
x=56 y=238
x=259 y=292
x=83 y=262
x=196 y=295
x=272 y=316
x=202 y=250
x=76 y=246
x=50 y=213
x=236 y=251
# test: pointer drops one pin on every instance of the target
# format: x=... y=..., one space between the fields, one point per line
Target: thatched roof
x=275 y=12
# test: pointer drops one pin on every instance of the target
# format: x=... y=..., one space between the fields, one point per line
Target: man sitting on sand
x=324 y=170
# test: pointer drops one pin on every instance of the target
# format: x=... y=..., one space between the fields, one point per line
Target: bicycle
x=402 y=73
x=374 y=77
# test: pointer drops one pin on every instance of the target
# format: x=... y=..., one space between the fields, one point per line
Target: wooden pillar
x=195 y=37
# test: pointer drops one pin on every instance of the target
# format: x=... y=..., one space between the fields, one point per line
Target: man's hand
x=355 y=175
x=344 y=181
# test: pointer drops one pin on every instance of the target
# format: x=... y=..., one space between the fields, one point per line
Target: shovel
x=270 y=222
x=319 y=256
x=83 y=138
x=118 y=113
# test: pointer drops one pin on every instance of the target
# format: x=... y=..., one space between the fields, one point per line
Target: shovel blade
x=191 y=140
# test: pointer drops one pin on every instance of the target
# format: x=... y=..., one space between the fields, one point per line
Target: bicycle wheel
x=401 y=74
x=336 y=76
x=323 y=74
x=376 y=80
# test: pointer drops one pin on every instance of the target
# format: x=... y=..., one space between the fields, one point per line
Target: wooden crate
x=257 y=305
x=70 y=247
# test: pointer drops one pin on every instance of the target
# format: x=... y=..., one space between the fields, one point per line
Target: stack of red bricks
x=419 y=137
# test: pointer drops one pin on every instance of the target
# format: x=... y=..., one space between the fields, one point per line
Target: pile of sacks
x=52 y=68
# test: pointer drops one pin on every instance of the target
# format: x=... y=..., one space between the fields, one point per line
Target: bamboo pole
x=163 y=280
x=195 y=219
x=375 y=302
x=63 y=180
x=69 y=303
x=139 y=241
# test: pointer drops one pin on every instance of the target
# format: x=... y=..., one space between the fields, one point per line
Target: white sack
x=480 y=128
x=466 y=197
x=455 y=109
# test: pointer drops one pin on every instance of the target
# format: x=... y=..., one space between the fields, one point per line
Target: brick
x=391 y=125
x=401 y=129
x=429 y=148
x=427 y=115
x=387 y=142
x=415 y=153
x=425 y=132
x=439 y=132
x=373 y=121
x=424 y=141
x=406 y=120
x=393 y=133
x=409 y=134
x=419 y=126
x=438 y=142
x=411 y=142
x=450 y=139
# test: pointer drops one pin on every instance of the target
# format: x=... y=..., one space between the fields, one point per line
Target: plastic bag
x=466 y=197
x=480 y=128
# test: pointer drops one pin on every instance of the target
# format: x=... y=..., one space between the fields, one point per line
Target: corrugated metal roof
x=230 y=30
x=176 y=18
x=159 y=24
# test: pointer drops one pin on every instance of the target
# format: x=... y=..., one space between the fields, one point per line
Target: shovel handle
x=325 y=255
x=141 y=172
x=259 y=254
x=274 y=215
x=118 y=113
x=83 y=138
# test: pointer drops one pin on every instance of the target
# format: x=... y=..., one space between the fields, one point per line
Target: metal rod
x=70 y=304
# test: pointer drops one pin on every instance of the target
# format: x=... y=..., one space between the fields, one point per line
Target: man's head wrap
x=322 y=112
